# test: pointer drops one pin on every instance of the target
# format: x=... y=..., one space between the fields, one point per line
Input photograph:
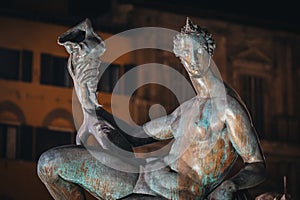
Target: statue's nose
x=194 y=59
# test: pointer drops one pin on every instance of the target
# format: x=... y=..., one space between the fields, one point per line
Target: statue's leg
x=172 y=185
x=66 y=170
x=163 y=182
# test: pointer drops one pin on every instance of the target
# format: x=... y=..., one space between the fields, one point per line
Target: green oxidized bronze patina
x=217 y=128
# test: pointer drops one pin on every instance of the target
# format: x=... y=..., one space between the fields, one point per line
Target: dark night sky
x=279 y=15
x=283 y=15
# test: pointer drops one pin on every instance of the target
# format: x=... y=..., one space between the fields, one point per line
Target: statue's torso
x=208 y=154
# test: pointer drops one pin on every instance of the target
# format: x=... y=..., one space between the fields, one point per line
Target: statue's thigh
x=163 y=181
x=172 y=185
x=79 y=166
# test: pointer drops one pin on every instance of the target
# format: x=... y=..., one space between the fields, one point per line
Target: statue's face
x=193 y=56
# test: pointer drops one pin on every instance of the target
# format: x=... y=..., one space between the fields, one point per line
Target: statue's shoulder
x=234 y=101
x=185 y=106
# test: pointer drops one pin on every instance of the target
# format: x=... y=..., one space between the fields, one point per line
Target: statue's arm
x=160 y=128
x=163 y=128
x=244 y=139
x=150 y=132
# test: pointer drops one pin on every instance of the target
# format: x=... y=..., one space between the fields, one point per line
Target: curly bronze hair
x=202 y=34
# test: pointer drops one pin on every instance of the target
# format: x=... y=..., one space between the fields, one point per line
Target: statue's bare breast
x=207 y=153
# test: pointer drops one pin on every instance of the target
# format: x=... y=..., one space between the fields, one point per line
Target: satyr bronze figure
x=217 y=129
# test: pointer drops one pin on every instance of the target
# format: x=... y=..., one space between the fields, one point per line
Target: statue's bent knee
x=47 y=166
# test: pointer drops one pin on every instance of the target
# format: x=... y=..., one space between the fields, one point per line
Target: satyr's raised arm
x=244 y=139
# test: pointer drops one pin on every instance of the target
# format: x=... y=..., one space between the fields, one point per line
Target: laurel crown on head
x=204 y=36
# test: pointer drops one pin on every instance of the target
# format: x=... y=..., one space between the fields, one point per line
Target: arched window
x=15 y=136
x=58 y=129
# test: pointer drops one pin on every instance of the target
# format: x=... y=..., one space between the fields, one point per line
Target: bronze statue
x=210 y=131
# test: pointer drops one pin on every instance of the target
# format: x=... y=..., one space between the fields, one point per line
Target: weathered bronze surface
x=215 y=124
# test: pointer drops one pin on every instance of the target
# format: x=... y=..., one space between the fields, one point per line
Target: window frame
x=23 y=65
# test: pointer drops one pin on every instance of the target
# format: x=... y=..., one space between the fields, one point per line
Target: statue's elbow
x=261 y=170
x=257 y=171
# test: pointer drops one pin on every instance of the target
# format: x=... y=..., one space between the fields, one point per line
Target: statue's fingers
x=85 y=68
x=89 y=74
x=80 y=69
x=87 y=78
x=79 y=74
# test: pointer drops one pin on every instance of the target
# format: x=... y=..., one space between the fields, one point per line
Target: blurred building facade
x=37 y=104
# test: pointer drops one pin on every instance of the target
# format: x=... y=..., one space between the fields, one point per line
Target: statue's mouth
x=74 y=36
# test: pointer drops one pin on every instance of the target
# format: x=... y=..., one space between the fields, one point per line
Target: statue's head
x=194 y=46
x=81 y=40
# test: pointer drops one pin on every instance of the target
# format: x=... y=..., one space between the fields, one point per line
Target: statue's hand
x=87 y=101
x=224 y=191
